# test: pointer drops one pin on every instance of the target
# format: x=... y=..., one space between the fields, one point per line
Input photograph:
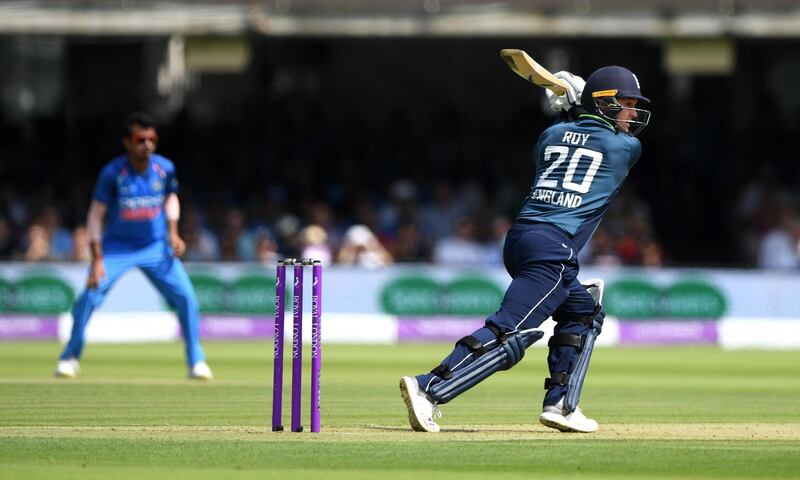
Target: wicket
x=297 y=342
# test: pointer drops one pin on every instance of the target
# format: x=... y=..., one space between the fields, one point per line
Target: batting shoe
x=556 y=416
x=68 y=368
x=201 y=371
x=421 y=411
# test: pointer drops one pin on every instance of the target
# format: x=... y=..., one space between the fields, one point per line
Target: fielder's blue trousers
x=167 y=274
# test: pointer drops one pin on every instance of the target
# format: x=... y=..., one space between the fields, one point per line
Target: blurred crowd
x=292 y=157
x=768 y=214
x=449 y=224
x=294 y=180
x=438 y=196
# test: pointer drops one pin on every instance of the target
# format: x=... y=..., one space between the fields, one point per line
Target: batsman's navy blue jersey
x=580 y=167
x=135 y=202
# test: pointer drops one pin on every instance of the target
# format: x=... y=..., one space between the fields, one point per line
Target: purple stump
x=297 y=348
x=277 y=361
x=316 y=343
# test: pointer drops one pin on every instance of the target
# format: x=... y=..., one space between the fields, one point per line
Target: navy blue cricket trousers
x=542 y=261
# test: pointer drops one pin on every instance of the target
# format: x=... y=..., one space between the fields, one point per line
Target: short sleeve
x=104 y=189
x=172 y=179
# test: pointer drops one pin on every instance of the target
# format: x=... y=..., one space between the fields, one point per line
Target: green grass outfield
x=693 y=412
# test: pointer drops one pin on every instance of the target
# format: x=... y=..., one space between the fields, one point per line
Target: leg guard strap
x=442 y=371
x=561 y=378
x=510 y=350
x=473 y=344
x=567 y=340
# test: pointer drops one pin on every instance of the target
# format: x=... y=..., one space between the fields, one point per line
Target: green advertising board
x=5 y=296
x=211 y=293
x=638 y=298
x=246 y=294
x=421 y=295
x=684 y=299
x=252 y=294
x=40 y=294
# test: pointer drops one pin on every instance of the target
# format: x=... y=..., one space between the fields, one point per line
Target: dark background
x=338 y=121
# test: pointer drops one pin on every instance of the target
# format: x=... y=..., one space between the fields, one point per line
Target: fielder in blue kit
x=581 y=163
x=136 y=195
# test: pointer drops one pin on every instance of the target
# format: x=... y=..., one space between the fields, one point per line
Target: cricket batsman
x=581 y=162
x=137 y=196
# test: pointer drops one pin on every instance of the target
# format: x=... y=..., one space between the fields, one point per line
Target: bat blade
x=526 y=67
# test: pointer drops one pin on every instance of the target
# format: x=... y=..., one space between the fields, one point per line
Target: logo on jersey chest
x=140 y=199
x=138 y=208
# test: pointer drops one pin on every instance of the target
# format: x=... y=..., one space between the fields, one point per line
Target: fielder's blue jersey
x=580 y=167
x=135 y=202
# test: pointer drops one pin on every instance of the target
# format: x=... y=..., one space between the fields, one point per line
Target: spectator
x=439 y=218
x=779 y=246
x=6 y=238
x=266 y=248
x=651 y=254
x=38 y=244
x=321 y=214
x=314 y=240
x=462 y=247
x=601 y=249
x=236 y=243
x=494 y=248
x=59 y=237
x=287 y=226
x=410 y=245
x=201 y=243
x=361 y=248
x=81 y=251
x=402 y=195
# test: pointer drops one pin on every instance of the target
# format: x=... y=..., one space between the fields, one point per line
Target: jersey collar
x=133 y=170
x=599 y=119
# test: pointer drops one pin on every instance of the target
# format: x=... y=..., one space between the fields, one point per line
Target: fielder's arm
x=94 y=227
x=172 y=209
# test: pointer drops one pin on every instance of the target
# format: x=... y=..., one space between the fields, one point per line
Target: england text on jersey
x=553 y=197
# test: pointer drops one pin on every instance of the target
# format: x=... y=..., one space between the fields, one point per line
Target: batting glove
x=571 y=97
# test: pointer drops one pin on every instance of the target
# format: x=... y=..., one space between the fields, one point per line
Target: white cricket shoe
x=201 y=371
x=421 y=411
x=556 y=416
x=69 y=368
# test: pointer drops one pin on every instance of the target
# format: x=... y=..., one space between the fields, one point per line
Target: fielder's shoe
x=201 y=371
x=421 y=411
x=556 y=416
x=69 y=368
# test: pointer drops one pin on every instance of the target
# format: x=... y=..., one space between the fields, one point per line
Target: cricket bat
x=526 y=67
